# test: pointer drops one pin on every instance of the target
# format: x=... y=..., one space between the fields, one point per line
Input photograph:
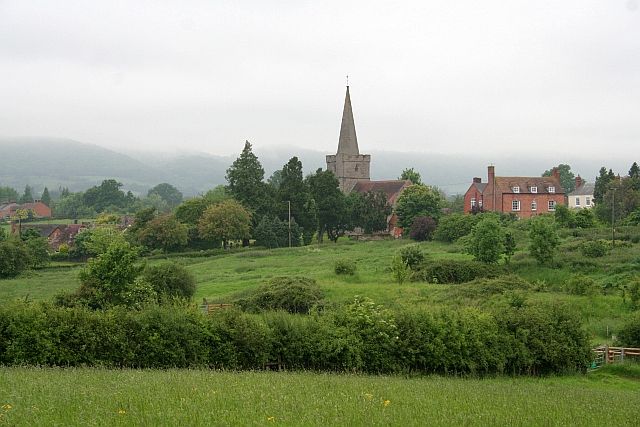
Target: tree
x=225 y=221
x=543 y=239
x=163 y=232
x=72 y=206
x=94 y=242
x=275 y=179
x=602 y=184
x=27 y=196
x=487 y=240
x=369 y=210
x=274 y=233
x=564 y=217
x=294 y=190
x=46 y=197
x=509 y=246
x=14 y=258
x=567 y=178
x=418 y=200
x=107 y=278
x=8 y=194
x=329 y=204
x=38 y=251
x=422 y=228
x=106 y=195
x=634 y=172
x=168 y=193
x=411 y=175
x=170 y=280
x=584 y=218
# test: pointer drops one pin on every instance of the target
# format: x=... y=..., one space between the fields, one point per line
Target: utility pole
x=289 y=201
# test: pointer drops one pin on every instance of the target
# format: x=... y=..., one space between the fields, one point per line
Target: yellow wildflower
x=369 y=396
x=271 y=419
x=386 y=403
x=7 y=406
x=121 y=411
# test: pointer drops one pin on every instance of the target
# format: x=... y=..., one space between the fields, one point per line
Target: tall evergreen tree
x=634 y=172
x=46 y=198
x=27 y=196
x=293 y=189
x=329 y=204
x=602 y=184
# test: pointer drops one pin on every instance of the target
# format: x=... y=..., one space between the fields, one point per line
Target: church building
x=353 y=169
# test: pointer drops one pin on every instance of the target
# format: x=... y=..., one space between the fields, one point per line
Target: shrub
x=629 y=335
x=422 y=228
x=452 y=227
x=454 y=271
x=274 y=233
x=595 y=248
x=580 y=285
x=486 y=243
x=543 y=239
x=412 y=256
x=38 y=250
x=170 y=280
x=292 y=294
x=344 y=266
x=400 y=269
x=14 y=258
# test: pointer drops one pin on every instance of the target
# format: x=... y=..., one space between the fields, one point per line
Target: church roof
x=392 y=188
x=348 y=142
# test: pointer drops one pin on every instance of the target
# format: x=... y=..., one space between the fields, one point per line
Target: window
x=534 y=189
x=552 y=189
x=480 y=203
x=516 y=189
x=552 y=205
x=515 y=205
x=473 y=202
x=577 y=201
x=588 y=202
x=534 y=206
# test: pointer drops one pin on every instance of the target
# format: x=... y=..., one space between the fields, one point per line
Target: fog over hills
x=40 y=161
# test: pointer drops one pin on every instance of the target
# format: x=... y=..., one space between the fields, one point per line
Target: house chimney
x=579 y=182
x=477 y=180
x=491 y=174
x=555 y=173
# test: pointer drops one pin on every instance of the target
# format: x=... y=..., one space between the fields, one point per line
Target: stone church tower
x=348 y=165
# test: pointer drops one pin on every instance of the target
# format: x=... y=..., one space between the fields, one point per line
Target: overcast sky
x=448 y=76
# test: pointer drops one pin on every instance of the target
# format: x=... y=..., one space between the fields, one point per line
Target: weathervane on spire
x=347 y=80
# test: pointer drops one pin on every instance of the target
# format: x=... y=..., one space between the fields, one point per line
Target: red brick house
x=39 y=209
x=523 y=196
x=56 y=234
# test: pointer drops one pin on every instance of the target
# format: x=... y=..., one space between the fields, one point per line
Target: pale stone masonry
x=348 y=165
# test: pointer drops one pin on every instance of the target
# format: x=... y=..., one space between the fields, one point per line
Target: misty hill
x=78 y=166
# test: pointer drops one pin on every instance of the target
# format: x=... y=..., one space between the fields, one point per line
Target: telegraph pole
x=613 y=217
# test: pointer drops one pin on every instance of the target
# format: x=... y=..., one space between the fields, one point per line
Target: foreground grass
x=34 y=396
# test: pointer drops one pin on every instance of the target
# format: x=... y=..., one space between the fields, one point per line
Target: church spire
x=348 y=142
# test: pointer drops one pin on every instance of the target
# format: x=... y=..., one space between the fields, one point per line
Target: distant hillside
x=67 y=163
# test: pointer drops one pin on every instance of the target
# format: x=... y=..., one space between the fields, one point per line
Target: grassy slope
x=178 y=397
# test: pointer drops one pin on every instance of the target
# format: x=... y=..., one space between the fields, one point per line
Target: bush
x=14 y=258
x=454 y=271
x=580 y=285
x=452 y=227
x=170 y=280
x=274 y=233
x=629 y=335
x=292 y=294
x=487 y=241
x=595 y=248
x=543 y=239
x=344 y=266
x=422 y=228
x=412 y=256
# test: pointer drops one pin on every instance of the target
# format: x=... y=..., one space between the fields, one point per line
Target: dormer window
x=552 y=189
x=534 y=189
x=515 y=189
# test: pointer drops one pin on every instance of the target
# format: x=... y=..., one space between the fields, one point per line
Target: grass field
x=34 y=396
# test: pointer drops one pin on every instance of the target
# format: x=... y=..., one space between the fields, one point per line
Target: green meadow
x=39 y=396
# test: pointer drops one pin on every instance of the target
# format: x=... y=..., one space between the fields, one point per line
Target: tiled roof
x=45 y=230
x=505 y=184
x=391 y=188
x=584 y=190
x=480 y=186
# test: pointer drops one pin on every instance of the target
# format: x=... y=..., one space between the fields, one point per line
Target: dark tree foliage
x=107 y=195
x=418 y=200
x=168 y=193
x=274 y=233
x=422 y=228
x=8 y=194
x=509 y=246
x=170 y=280
x=567 y=178
x=602 y=184
x=294 y=190
x=411 y=175
x=163 y=232
x=634 y=171
x=619 y=201
x=14 y=258
x=46 y=197
x=27 y=196
x=330 y=205
x=369 y=211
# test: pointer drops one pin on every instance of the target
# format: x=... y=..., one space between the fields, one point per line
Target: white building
x=582 y=196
